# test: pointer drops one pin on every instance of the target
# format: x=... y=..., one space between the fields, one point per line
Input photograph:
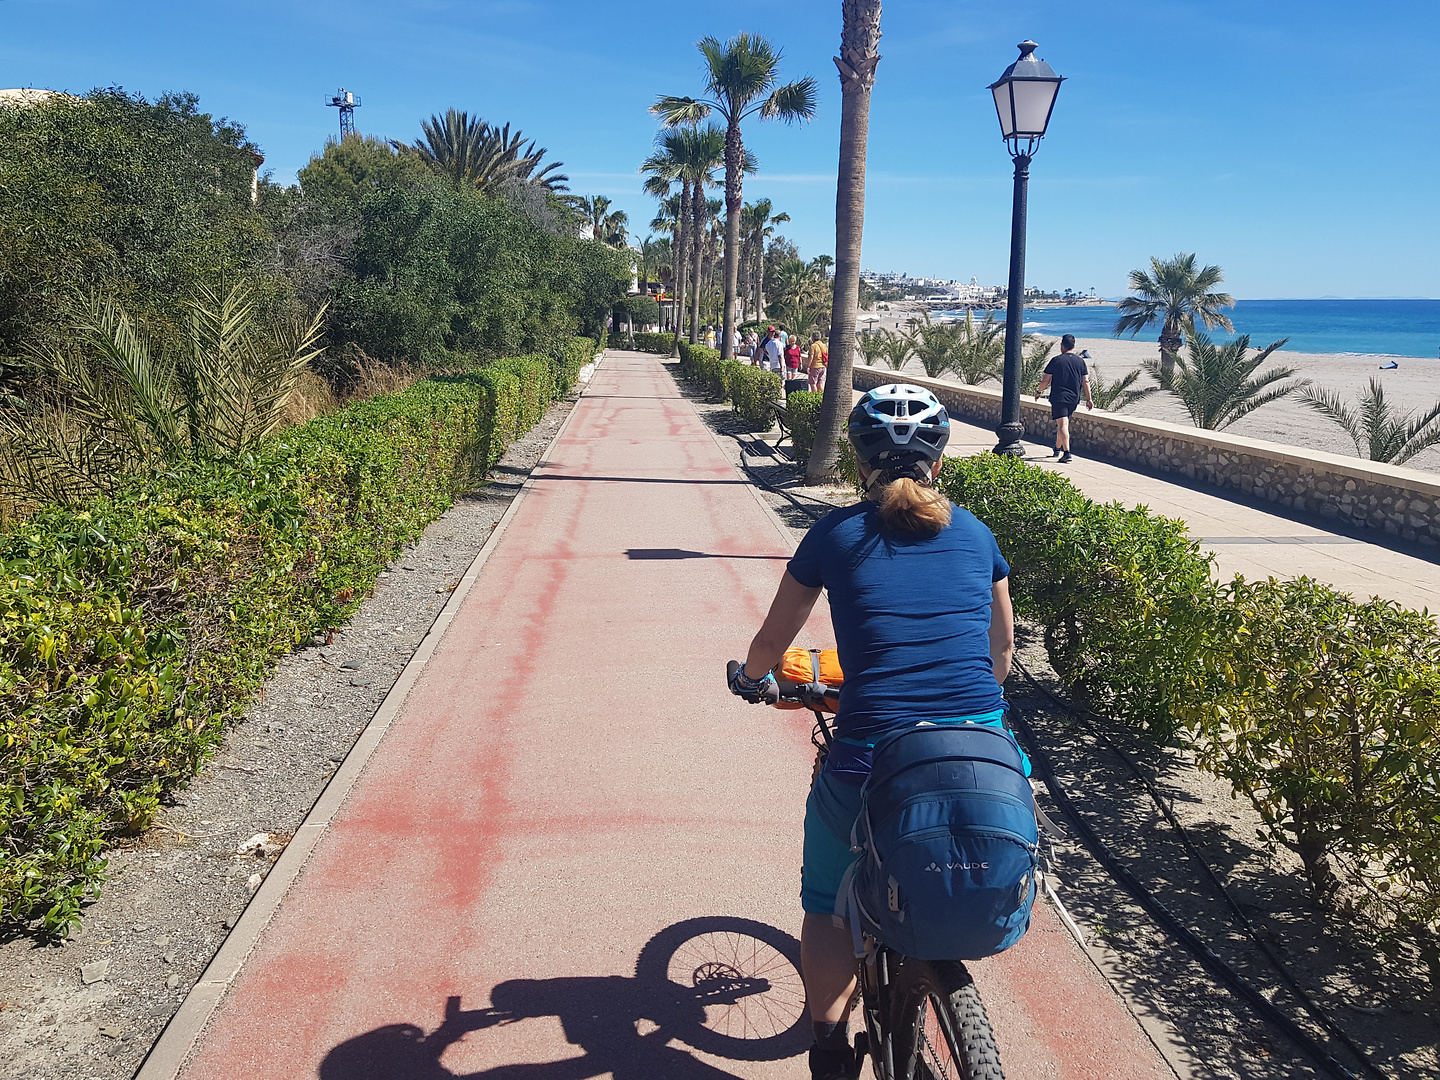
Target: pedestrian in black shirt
x=1068 y=378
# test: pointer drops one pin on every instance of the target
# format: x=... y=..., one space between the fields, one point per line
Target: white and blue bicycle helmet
x=898 y=426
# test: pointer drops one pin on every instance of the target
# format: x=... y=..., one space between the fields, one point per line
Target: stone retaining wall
x=1401 y=502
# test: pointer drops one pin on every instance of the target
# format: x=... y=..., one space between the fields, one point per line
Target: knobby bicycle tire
x=939 y=1029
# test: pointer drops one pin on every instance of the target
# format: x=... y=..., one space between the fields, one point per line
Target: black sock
x=832 y=1036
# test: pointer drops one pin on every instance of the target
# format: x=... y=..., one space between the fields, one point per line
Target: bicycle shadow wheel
x=746 y=976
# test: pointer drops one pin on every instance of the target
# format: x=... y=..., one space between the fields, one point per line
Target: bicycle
x=924 y=1020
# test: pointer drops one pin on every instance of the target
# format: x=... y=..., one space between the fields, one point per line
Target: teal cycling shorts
x=830 y=812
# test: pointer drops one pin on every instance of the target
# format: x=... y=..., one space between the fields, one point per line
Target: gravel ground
x=1381 y=999
x=92 y=1006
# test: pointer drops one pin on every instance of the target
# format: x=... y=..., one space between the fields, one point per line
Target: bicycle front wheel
x=939 y=1029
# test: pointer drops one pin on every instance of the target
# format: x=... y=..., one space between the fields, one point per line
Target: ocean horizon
x=1408 y=328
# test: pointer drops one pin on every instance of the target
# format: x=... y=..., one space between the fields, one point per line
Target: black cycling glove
x=756 y=691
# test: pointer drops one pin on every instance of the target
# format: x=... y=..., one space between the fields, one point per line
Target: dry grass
x=313 y=396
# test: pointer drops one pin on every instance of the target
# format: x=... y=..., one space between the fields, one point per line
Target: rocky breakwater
x=1393 y=500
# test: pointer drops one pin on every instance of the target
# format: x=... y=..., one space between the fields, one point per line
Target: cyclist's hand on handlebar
x=757 y=692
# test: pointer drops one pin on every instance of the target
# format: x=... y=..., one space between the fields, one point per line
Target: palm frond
x=677 y=111
x=791 y=102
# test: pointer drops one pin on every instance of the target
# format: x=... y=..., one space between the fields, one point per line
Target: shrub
x=754 y=393
x=803 y=412
x=1323 y=711
x=578 y=353
x=133 y=629
x=703 y=365
x=662 y=344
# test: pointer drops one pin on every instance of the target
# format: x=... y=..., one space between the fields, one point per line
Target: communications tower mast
x=346 y=102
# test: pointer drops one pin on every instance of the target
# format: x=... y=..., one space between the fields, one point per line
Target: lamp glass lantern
x=1025 y=97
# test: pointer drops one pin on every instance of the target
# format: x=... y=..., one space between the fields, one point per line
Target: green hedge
x=580 y=351
x=132 y=631
x=663 y=344
x=1322 y=710
x=803 y=413
x=752 y=391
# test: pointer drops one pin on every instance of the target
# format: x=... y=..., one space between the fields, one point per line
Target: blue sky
x=1293 y=143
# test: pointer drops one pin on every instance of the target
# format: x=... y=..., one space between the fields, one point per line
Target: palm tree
x=691 y=156
x=120 y=405
x=605 y=225
x=1379 y=431
x=758 y=225
x=673 y=215
x=1174 y=293
x=1218 y=385
x=655 y=255
x=801 y=299
x=740 y=77
x=859 y=55
x=473 y=153
x=1117 y=395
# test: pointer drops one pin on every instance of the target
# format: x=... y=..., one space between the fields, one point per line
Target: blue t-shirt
x=911 y=615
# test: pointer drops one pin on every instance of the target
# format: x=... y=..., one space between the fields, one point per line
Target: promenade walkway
x=1244 y=539
x=504 y=888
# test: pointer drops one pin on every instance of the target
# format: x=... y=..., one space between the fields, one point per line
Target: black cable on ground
x=1172 y=924
x=1311 y=1006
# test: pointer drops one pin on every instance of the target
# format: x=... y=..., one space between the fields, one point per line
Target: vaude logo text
x=958 y=866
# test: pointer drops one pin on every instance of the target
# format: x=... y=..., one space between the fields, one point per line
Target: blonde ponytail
x=907 y=506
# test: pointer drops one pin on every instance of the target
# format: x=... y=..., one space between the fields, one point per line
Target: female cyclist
x=920 y=601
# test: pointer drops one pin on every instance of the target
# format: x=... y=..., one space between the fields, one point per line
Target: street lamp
x=1024 y=98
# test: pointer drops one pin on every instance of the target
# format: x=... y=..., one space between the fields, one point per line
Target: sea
x=1362 y=327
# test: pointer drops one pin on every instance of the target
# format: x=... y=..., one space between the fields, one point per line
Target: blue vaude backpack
x=948 y=842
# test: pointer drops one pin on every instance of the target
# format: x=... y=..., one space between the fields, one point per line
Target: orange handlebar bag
x=812 y=673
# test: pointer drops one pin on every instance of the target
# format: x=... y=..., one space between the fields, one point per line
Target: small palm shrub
x=1032 y=365
x=1117 y=395
x=1218 y=385
x=113 y=404
x=1379 y=431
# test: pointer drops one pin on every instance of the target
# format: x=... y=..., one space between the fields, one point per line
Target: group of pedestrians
x=801 y=367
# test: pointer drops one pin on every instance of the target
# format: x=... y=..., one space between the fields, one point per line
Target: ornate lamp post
x=1024 y=98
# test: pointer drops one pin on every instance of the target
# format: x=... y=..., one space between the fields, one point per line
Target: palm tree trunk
x=681 y=240
x=734 y=176
x=859 y=54
x=697 y=243
x=1170 y=342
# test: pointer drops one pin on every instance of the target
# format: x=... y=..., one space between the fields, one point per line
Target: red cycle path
x=567 y=779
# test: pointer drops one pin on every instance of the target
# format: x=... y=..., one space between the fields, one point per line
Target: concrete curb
x=178 y=1039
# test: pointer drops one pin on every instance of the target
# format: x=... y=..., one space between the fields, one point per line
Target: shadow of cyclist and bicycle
x=728 y=987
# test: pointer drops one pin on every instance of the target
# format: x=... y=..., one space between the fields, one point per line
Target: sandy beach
x=1414 y=385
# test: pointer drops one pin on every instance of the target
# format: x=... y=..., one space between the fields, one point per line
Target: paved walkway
x=1244 y=540
x=507 y=889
